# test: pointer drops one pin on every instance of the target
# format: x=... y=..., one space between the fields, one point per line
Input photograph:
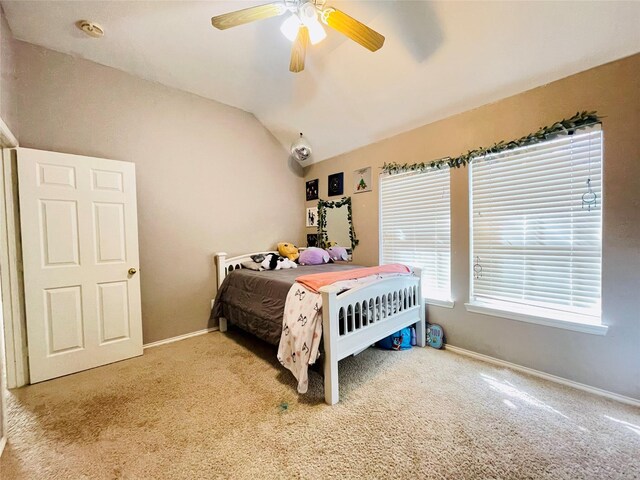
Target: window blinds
x=415 y=227
x=535 y=243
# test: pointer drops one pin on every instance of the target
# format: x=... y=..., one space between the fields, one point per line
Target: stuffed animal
x=273 y=261
x=338 y=253
x=288 y=250
x=314 y=256
x=286 y=263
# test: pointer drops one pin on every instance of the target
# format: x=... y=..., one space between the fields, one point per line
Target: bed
x=352 y=320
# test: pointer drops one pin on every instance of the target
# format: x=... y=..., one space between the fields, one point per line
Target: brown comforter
x=254 y=301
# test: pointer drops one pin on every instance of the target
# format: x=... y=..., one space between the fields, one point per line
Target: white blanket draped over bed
x=302 y=327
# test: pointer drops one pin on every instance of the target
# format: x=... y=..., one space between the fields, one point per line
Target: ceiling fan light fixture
x=308 y=14
x=316 y=31
x=290 y=26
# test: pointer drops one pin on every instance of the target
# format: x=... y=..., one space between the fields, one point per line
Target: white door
x=80 y=254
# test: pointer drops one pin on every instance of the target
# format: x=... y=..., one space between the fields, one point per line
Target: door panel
x=109 y=234
x=64 y=319
x=79 y=237
x=113 y=311
x=59 y=232
x=109 y=181
x=57 y=175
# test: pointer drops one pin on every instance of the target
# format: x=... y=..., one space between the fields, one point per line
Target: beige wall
x=611 y=362
x=210 y=177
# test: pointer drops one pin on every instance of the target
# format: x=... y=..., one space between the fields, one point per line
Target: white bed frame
x=391 y=304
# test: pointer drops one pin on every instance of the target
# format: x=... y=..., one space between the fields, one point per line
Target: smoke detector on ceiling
x=90 y=28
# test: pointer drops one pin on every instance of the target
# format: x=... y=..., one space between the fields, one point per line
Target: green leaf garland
x=323 y=238
x=563 y=127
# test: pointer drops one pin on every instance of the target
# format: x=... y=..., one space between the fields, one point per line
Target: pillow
x=251 y=265
x=313 y=256
x=338 y=253
x=288 y=250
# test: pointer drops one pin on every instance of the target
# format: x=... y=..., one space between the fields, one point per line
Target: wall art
x=312 y=190
x=362 y=180
x=336 y=184
x=312 y=217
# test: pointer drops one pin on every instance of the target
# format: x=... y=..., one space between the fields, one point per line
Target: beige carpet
x=220 y=406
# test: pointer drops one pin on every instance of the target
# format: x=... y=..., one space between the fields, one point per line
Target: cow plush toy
x=273 y=261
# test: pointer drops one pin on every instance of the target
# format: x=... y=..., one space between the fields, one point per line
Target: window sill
x=439 y=303
x=498 y=311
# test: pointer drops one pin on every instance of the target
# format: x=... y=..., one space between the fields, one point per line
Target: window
x=415 y=227
x=536 y=245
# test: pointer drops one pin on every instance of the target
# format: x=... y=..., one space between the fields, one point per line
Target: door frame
x=9 y=268
x=14 y=341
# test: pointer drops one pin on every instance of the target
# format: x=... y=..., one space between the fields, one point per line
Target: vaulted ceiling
x=439 y=58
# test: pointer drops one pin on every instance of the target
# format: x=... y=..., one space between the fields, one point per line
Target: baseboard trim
x=3 y=442
x=178 y=338
x=547 y=376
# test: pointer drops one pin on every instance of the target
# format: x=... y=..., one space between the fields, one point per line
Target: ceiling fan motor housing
x=307 y=12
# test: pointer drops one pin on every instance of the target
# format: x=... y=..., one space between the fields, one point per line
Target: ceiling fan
x=304 y=25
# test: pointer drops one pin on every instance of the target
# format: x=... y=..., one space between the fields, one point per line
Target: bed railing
x=375 y=309
x=225 y=265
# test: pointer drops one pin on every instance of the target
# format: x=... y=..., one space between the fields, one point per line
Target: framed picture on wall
x=312 y=217
x=336 y=184
x=362 y=180
x=312 y=190
x=312 y=240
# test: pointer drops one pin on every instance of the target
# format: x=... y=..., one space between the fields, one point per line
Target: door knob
x=132 y=271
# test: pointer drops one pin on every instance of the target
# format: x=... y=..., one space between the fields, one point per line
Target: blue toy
x=435 y=336
x=397 y=341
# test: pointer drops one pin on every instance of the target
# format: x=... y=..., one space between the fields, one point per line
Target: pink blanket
x=316 y=280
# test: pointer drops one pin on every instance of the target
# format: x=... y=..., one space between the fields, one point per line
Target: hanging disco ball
x=301 y=149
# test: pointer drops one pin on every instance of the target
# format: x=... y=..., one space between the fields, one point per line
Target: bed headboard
x=226 y=265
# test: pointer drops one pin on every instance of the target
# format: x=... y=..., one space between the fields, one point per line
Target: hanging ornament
x=301 y=149
x=589 y=198
x=477 y=269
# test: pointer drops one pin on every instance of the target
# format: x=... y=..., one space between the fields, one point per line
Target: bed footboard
x=361 y=316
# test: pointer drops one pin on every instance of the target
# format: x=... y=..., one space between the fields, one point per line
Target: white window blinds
x=415 y=227
x=536 y=244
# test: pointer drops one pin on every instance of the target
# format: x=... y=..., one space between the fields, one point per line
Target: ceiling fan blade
x=252 y=14
x=299 y=50
x=352 y=28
